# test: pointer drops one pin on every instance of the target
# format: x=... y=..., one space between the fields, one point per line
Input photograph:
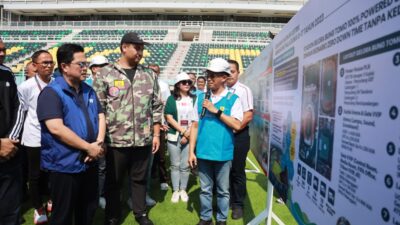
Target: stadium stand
x=168 y=48
x=249 y=36
x=16 y=50
x=181 y=39
x=200 y=54
x=33 y=34
x=113 y=34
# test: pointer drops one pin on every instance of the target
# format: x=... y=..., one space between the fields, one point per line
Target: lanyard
x=37 y=82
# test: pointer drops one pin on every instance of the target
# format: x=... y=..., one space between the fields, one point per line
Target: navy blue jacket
x=55 y=155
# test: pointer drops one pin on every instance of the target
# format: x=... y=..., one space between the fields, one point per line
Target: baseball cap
x=98 y=60
x=219 y=65
x=182 y=76
x=133 y=38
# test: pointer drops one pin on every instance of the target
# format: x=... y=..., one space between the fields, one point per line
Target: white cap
x=182 y=76
x=219 y=65
x=98 y=60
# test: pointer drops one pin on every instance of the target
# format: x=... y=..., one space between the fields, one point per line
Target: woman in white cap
x=178 y=113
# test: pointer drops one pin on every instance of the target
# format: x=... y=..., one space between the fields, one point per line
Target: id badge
x=184 y=123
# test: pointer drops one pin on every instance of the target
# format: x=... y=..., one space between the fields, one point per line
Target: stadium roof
x=254 y=8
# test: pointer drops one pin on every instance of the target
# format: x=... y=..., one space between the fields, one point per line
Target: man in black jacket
x=10 y=166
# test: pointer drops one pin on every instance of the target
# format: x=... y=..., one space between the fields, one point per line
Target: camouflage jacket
x=131 y=109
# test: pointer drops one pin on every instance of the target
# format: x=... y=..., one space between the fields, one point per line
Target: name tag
x=119 y=84
x=184 y=122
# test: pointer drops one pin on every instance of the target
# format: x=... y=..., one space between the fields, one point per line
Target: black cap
x=133 y=38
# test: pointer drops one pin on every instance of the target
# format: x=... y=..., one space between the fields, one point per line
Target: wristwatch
x=218 y=114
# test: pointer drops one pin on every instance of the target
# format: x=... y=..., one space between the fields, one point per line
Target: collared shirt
x=164 y=89
x=245 y=95
x=28 y=92
x=236 y=111
x=165 y=93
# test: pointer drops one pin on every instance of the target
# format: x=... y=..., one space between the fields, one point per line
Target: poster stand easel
x=255 y=170
x=267 y=213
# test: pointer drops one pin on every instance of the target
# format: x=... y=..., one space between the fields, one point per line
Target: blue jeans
x=179 y=155
x=210 y=171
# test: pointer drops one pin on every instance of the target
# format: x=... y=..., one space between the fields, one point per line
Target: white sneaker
x=175 y=197
x=102 y=202
x=280 y=201
x=39 y=216
x=164 y=187
x=184 y=196
x=149 y=201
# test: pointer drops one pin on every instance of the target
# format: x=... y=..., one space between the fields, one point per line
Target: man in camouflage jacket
x=130 y=97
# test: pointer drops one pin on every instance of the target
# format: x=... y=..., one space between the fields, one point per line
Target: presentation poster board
x=258 y=78
x=328 y=105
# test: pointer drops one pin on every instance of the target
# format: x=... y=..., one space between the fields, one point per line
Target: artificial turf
x=167 y=213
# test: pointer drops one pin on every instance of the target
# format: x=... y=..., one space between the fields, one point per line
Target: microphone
x=203 y=111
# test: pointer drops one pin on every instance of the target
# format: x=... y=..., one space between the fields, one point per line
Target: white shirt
x=185 y=110
x=165 y=93
x=164 y=89
x=28 y=93
x=245 y=95
x=236 y=111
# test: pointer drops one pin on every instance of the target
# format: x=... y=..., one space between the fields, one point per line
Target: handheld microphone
x=203 y=111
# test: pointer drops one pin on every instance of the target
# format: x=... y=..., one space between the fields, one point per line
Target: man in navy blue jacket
x=72 y=129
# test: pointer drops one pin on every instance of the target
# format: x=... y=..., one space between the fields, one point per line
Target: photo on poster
x=308 y=137
x=328 y=86
x=264 y=145
x=278 y=174
x=325 y=147
x=282 y=156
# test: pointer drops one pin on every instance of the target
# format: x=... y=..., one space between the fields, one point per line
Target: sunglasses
x=186 y=82
x=82 y=64
x=46 y=63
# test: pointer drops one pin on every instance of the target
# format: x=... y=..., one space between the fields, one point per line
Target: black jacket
x=9 y=110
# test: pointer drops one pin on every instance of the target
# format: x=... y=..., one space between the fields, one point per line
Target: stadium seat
x=35 y=34
x=200 y=54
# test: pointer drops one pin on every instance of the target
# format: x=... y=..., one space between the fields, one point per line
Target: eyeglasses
x=212 y=75
x=81 y=64
x=186 y=82
x=45 y=63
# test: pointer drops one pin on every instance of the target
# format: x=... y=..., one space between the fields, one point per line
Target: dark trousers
x=238 y=174
x=133 y=160
x=159 y=161
x=38 y=179
x=10 y=196
x=74 y=196
x=25 y=171
x=102 y=175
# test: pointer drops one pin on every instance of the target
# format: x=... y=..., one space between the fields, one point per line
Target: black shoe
x=205 y=222
x=221 y=222
x=144 y=220
x=237 y=213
